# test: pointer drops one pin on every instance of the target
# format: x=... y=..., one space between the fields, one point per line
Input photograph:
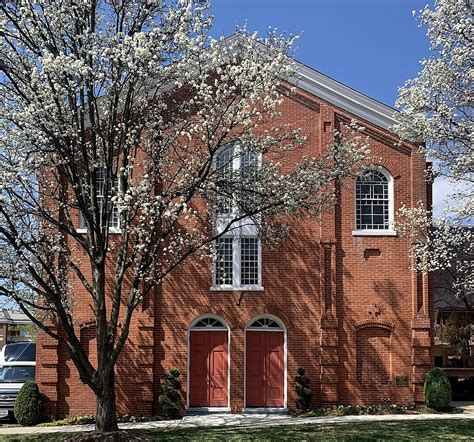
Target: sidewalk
x=230 y=420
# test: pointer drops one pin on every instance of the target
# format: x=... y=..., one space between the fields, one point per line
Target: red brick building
x=336 y=297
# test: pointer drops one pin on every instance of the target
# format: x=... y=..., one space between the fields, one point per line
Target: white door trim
x=285 y=360
x=188 y=359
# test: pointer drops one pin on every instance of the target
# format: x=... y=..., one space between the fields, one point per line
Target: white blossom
x=118 y=109
x=436 y=108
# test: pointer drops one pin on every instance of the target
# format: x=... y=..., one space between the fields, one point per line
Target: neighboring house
x=454 y=304
x=336 y=297
x=444 y=355
x=14 y=327
x=454 y=310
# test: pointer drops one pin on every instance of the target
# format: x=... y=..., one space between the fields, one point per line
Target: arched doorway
x=265 y=363
x=208 y=359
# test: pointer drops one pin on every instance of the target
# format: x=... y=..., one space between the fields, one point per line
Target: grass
x=427 y=430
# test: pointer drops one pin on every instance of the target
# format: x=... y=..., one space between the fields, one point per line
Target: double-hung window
x=374 y=202
x=100 y=189
x=237 y=263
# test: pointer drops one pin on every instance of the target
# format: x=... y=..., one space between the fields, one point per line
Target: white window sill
x=374 y=232
x=113 y=231
x=230 y=288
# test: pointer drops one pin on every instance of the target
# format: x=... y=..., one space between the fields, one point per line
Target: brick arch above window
x=373 y=355
x=378 y=161
x=375 y=323
x=200 y=312
x=267 y=311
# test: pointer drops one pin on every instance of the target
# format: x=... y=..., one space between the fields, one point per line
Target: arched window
x=237 y=262
x=265 y=324
x=374 y=200
x=209 y=323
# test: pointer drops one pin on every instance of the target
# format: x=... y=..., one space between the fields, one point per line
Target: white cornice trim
x=344 y=97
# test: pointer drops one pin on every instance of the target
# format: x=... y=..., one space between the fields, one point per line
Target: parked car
x=17 y=366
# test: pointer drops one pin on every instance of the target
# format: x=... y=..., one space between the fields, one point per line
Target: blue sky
x=370 y=45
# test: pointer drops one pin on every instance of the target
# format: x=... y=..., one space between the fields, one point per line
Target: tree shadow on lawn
x=362 y=431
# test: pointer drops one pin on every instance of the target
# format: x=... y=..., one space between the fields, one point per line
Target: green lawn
x=366 y=431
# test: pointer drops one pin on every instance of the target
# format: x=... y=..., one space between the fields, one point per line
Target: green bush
x=303 y=391
x=28 y=410
x=437 y=389
x=171 y=397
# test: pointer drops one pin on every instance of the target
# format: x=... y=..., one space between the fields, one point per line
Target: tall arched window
x=237 y=263
x=374 y=200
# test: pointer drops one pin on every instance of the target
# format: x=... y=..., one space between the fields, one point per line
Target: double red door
x=208 y=369
x=265 y=370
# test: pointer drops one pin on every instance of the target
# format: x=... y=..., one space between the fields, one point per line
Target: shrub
x=302 y=390
x=27 y=407
x=171 y=397
x=437 y=389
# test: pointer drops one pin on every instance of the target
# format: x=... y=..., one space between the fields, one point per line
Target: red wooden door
x=198 y=370
x=265 y=371
x=208 y=369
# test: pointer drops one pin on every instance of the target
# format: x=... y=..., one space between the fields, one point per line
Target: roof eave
x=344 y=97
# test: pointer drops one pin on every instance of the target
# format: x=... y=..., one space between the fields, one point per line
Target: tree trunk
x=106 y=419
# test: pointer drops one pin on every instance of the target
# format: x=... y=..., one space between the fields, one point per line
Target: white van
x=17 y=366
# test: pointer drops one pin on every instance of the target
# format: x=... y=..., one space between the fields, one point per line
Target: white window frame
x=112 y=230
x=377 y=232
x=236 y=266
x=244 y=228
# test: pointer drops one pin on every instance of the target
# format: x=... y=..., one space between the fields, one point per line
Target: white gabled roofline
x=334 y=92
x=344 y=97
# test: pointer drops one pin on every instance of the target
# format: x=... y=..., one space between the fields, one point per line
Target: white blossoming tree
x=437 y=107
x=114 y=115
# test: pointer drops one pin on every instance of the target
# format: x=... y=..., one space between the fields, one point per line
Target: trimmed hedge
x=28 y=409
x=171 y=397
x=303 y=391
x=437 y=389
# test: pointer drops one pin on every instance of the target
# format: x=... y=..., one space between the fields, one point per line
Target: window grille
x=372 y=201
x=209 y=323
x=248 y=174
x=224 y=185
x=114 y=220
x=265 y=323
x=237 y=258
x=100 y=194
x=249 y=261
x=224 y=261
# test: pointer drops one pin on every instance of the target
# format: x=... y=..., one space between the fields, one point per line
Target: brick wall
x=350 y=305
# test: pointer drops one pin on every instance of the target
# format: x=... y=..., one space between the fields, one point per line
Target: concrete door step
x=196 y=411
x=276 y=410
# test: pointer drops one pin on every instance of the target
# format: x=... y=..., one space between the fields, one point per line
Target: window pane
x=224 y=261
x=100 y=194
x=249 y=261
x=224 y=180
x=372 y=202
x=248 y=173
